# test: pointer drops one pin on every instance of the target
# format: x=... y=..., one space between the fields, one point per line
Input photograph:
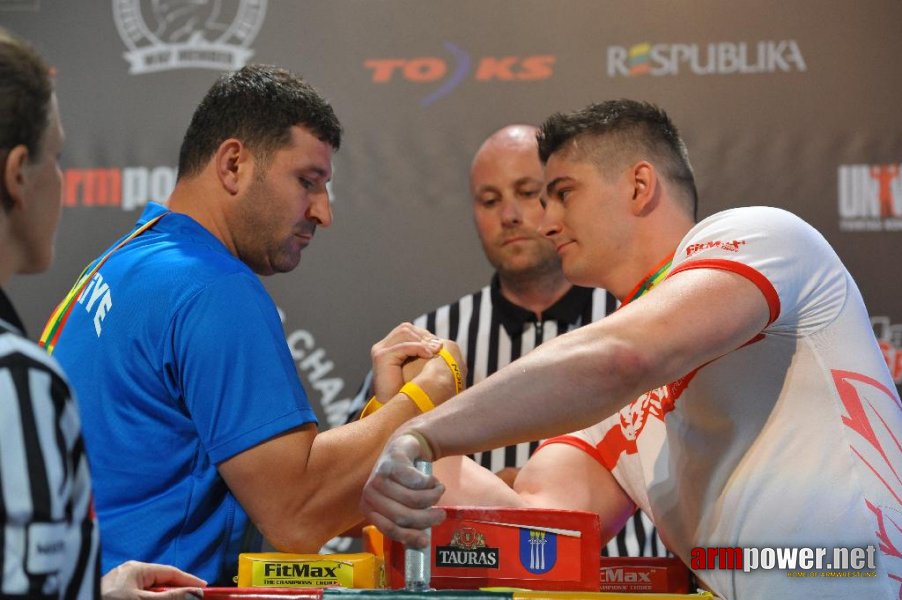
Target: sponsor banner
x=719 y=58
x=870 y=197
x=457 y=67
x=128 y=188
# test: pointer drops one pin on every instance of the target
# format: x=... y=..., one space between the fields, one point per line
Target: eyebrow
x=549 y=189
x=527 y=180
x=318 y=171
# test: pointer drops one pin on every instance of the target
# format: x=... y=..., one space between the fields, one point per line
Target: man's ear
x=644 y=179
x=229 y=162
x=14 y=175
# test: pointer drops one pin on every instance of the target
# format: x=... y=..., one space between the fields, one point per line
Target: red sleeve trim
x=577 y=443
x=753 y=275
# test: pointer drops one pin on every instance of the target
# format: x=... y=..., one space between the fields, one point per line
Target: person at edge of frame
x=741 y=401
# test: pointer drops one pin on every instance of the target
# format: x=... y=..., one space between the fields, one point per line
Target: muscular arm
x=303 y=488
x=689 y=320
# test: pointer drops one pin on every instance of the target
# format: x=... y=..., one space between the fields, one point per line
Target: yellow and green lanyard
x=656 y=276
x=60 y=314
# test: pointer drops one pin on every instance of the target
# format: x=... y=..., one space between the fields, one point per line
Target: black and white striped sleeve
x=49 y=540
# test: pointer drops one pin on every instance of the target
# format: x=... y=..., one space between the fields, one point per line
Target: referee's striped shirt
x=49 y=540
x=493 y=332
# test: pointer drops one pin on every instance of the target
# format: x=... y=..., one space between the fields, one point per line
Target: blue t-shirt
x=179 y=359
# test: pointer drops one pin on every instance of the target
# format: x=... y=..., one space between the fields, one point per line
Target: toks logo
x=870 y=197
x=720 y=58
x=172 y=34
x=431 y=69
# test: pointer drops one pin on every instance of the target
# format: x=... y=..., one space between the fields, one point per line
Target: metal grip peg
x=418 y=562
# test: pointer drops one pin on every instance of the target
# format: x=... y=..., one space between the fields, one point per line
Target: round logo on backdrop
x=187 y=34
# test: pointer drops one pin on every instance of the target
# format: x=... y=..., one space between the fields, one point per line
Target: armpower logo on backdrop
x=178 y=34
x=128 y=188
x=870 y=197
x=460 y=67
x=719 y=58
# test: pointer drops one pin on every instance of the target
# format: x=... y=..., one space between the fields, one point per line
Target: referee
x=529 y=301
x=49 y=541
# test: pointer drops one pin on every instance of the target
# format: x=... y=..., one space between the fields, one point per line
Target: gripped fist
x=438 y=379
x=398 y=499
x=403 y=345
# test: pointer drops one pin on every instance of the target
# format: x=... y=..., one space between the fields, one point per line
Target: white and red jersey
x=792 y=440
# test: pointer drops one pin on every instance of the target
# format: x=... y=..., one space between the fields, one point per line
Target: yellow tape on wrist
x=455 y=370
x=416 y=393
x=419 y=397
x=372 y=406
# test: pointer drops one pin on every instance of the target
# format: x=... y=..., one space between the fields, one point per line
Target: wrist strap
x=372 y=406
x=416 y=393
x=455 y=370
x=419 y=397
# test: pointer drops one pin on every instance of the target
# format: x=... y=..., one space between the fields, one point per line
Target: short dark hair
x=26 y=88
x=613 y=132
x=258 y=104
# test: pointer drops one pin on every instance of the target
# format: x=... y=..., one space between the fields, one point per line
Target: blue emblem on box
x=538 y=550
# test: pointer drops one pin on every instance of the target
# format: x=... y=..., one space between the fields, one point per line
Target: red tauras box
x=538 y=549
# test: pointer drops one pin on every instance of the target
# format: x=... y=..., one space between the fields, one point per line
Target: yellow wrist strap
x=419 y=397
x=455 y=370
x=416 y=393
x=372 y=406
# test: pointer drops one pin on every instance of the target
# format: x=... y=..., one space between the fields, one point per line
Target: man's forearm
x=339 y=463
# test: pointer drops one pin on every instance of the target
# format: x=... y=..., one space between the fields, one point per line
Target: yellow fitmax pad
x=277 y=569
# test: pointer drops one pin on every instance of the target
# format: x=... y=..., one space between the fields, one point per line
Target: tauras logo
x=172 y=34
x=719 y=58
x=449 y=556
x=466 y=549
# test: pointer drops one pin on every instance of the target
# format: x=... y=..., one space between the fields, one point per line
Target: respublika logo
x=451 y=72
x=870 y=197
x=718 y=58
x=173 y=34
x=538 y=550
